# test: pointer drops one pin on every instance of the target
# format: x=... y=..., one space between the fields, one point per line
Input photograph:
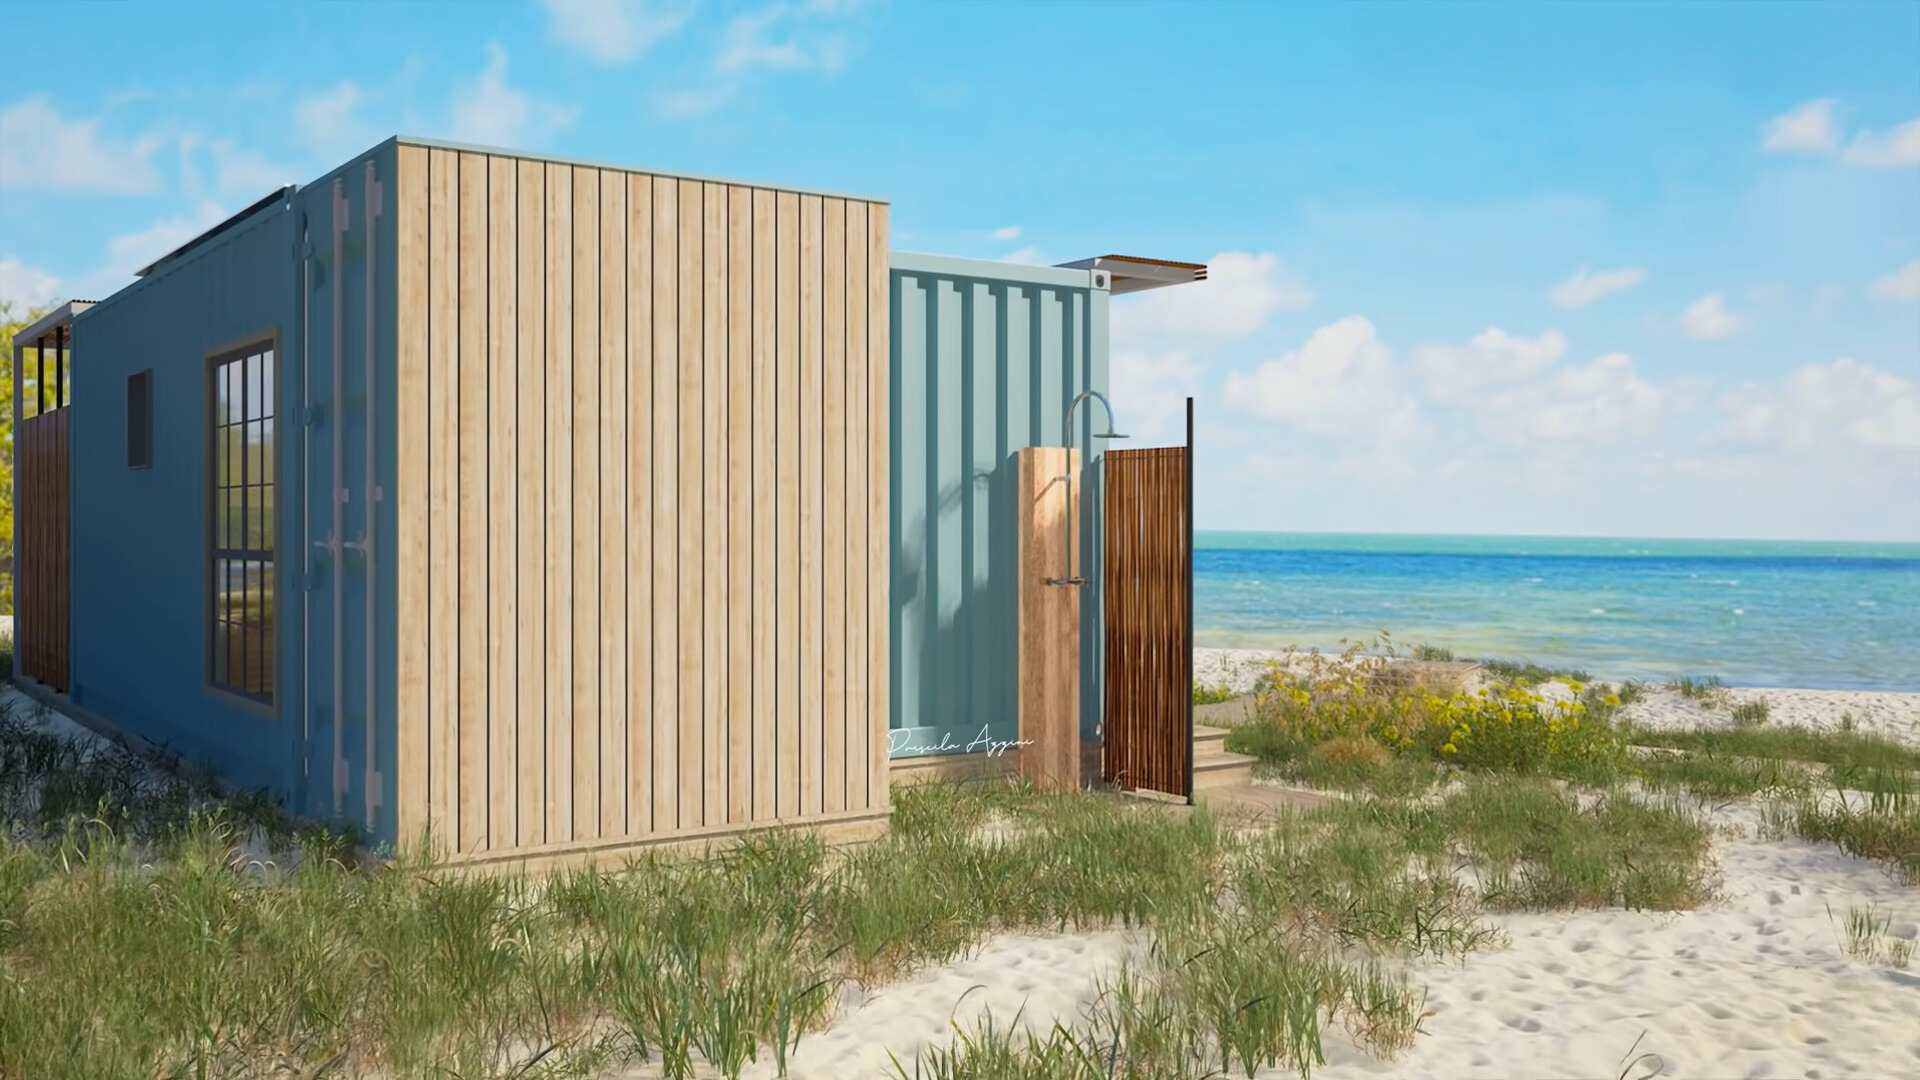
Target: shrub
x=1211 y=695
x=1513 y=729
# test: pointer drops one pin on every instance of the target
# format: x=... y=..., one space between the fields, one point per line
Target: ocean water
x=1755 y=613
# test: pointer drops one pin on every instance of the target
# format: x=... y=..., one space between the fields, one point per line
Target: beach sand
x=1756 y=984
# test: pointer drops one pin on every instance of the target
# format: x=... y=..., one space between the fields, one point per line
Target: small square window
x=140 y=419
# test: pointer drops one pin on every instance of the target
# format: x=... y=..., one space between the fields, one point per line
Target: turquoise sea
x=1755 y=613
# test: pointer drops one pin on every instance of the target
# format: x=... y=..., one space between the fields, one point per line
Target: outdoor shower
x=1066 y=440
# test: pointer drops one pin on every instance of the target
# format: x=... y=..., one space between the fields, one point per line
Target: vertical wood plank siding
x=1149 y=636
x=643 y=553
x=45 y=563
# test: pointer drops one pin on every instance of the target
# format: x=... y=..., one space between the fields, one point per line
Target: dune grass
x=1362 y=723
x=139 y=938
x=1211 y=695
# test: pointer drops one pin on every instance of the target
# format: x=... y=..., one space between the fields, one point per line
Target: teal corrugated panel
x=985 y=358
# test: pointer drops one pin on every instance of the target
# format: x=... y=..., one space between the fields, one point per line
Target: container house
x=547 y=507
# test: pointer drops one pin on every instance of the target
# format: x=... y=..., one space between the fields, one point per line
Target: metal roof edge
x=61 y=313
x=527 y=155
x=989 y=270
x=239 y=225
x=234 y=219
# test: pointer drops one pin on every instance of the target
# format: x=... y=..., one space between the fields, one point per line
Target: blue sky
x=1549 y=268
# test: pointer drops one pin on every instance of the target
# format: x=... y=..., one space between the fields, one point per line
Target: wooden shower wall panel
x=642 y=424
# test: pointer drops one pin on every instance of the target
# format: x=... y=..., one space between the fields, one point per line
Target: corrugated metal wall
x=346 y=736
x=642 y=442
x=141 y=585
x=986 y=357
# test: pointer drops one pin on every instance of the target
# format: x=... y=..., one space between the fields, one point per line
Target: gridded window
x=242 y=548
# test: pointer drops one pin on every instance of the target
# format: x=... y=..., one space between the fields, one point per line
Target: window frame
x=212 y=490
x=145 y=381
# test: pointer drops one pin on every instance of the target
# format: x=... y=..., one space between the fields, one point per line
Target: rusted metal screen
x=1148 y=577
x=41 y=582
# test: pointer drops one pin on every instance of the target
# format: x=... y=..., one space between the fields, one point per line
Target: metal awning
x=1134 y=273
x=45 y=324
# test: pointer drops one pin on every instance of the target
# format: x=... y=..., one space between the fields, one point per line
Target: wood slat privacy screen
x=41 y=581
x=1147 y=741
x=642 y=496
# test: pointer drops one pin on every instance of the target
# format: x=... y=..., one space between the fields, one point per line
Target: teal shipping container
x=986 y=357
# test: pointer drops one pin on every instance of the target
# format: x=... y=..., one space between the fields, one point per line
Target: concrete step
x=1207 y=738
x=1213 y=769
x=1255 y=803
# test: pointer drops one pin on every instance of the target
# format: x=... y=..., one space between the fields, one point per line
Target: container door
x=342 y=781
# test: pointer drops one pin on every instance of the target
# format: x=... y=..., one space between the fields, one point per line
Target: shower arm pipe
x=1066 y=440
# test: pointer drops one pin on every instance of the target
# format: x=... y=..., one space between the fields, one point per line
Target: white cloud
x=1455 y=375
x=1807 y=128
x=246 y=175
x=1341 y=381
x=1584 y=288
x=1902 y=284
x=26 y=286
x=45 y=150
x=1825 y=297
x=1597 y=401
x=328 y=120
x=1007 y=232
x=614 y=31
x=1708 y=317
x=127 y=254
x=490 y=111
x=1823 y=404
x=1148 y=390
x=783 y=37
x=1242 y=289
x=687 y=103
x=1026 y=256
x=778 y=38
x=1898 y=147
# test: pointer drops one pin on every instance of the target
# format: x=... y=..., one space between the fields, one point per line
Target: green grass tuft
x=1211 y=695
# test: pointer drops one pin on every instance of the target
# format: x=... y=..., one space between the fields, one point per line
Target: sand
x=1757 y=984
x=1895 y=715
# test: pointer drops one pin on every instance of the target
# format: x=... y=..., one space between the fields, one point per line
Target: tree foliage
x=12 y=322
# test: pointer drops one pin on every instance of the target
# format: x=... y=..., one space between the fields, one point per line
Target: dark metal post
x=1186 y=689
x=59 y=367
x=40 y=375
